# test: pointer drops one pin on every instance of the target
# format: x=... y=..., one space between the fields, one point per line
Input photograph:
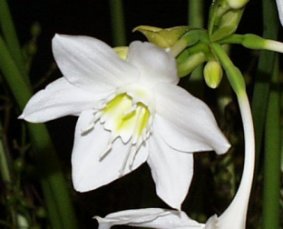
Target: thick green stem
x=20 y=90
x=54 y=187
x=10 y=37
x=118 y=22
x=271 y=193
x=264 y=70
x=262 y=112
x=196 y=20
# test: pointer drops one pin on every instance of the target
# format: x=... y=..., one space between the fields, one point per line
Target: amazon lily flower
x=130 y=111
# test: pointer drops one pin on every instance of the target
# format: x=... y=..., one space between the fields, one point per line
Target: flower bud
x=163 y=38
x=212 y=73
x=228 y=24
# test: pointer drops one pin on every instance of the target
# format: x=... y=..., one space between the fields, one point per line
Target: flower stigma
x=126 y=118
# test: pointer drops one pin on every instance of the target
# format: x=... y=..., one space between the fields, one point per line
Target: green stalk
x=117 y=22
x=263 y=108
x=196 y=20
x=56 y=192
x=21 y=91
x=234 y=75
x=195 y=13
x=264 y=70
x=271 y=187
x=10 y=37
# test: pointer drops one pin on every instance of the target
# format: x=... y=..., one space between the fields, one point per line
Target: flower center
x=128 y=119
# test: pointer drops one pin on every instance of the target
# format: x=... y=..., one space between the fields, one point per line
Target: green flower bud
x=228 y=24
x=163 y=38
x=212 y=73
x=122 y=52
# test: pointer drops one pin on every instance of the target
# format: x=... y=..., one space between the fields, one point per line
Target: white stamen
x=107 y=151
x=128 y=159
x=89 y=127
x=133 y=154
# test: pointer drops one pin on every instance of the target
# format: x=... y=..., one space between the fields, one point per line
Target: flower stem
x=265 y=111
x=234 y=217
x=271 y=193
x=117 y=22
x=195 y=13
x=237 y=210
x=196 y=20
x=262 y=80
x=10 y=37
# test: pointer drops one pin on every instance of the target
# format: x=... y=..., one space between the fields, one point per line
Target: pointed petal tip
x=224 y=149
x=59 y=37
x=81 y=187
x=170 y=202
x=56 y=36
x=29 y=118
x=78 y=183
x=21 y=116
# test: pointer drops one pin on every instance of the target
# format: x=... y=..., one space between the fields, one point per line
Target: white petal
x=186 y=123
x=58 y=99
x=89 y=170
x=154 y=63
x=212 y=222
x=90 y=63
x=171 y=170
x=280 y=10
x=150 y=217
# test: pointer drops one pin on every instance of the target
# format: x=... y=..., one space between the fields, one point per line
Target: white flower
x=151 y=218
x=130 y=111
x=280 y=10
x=155 y=218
